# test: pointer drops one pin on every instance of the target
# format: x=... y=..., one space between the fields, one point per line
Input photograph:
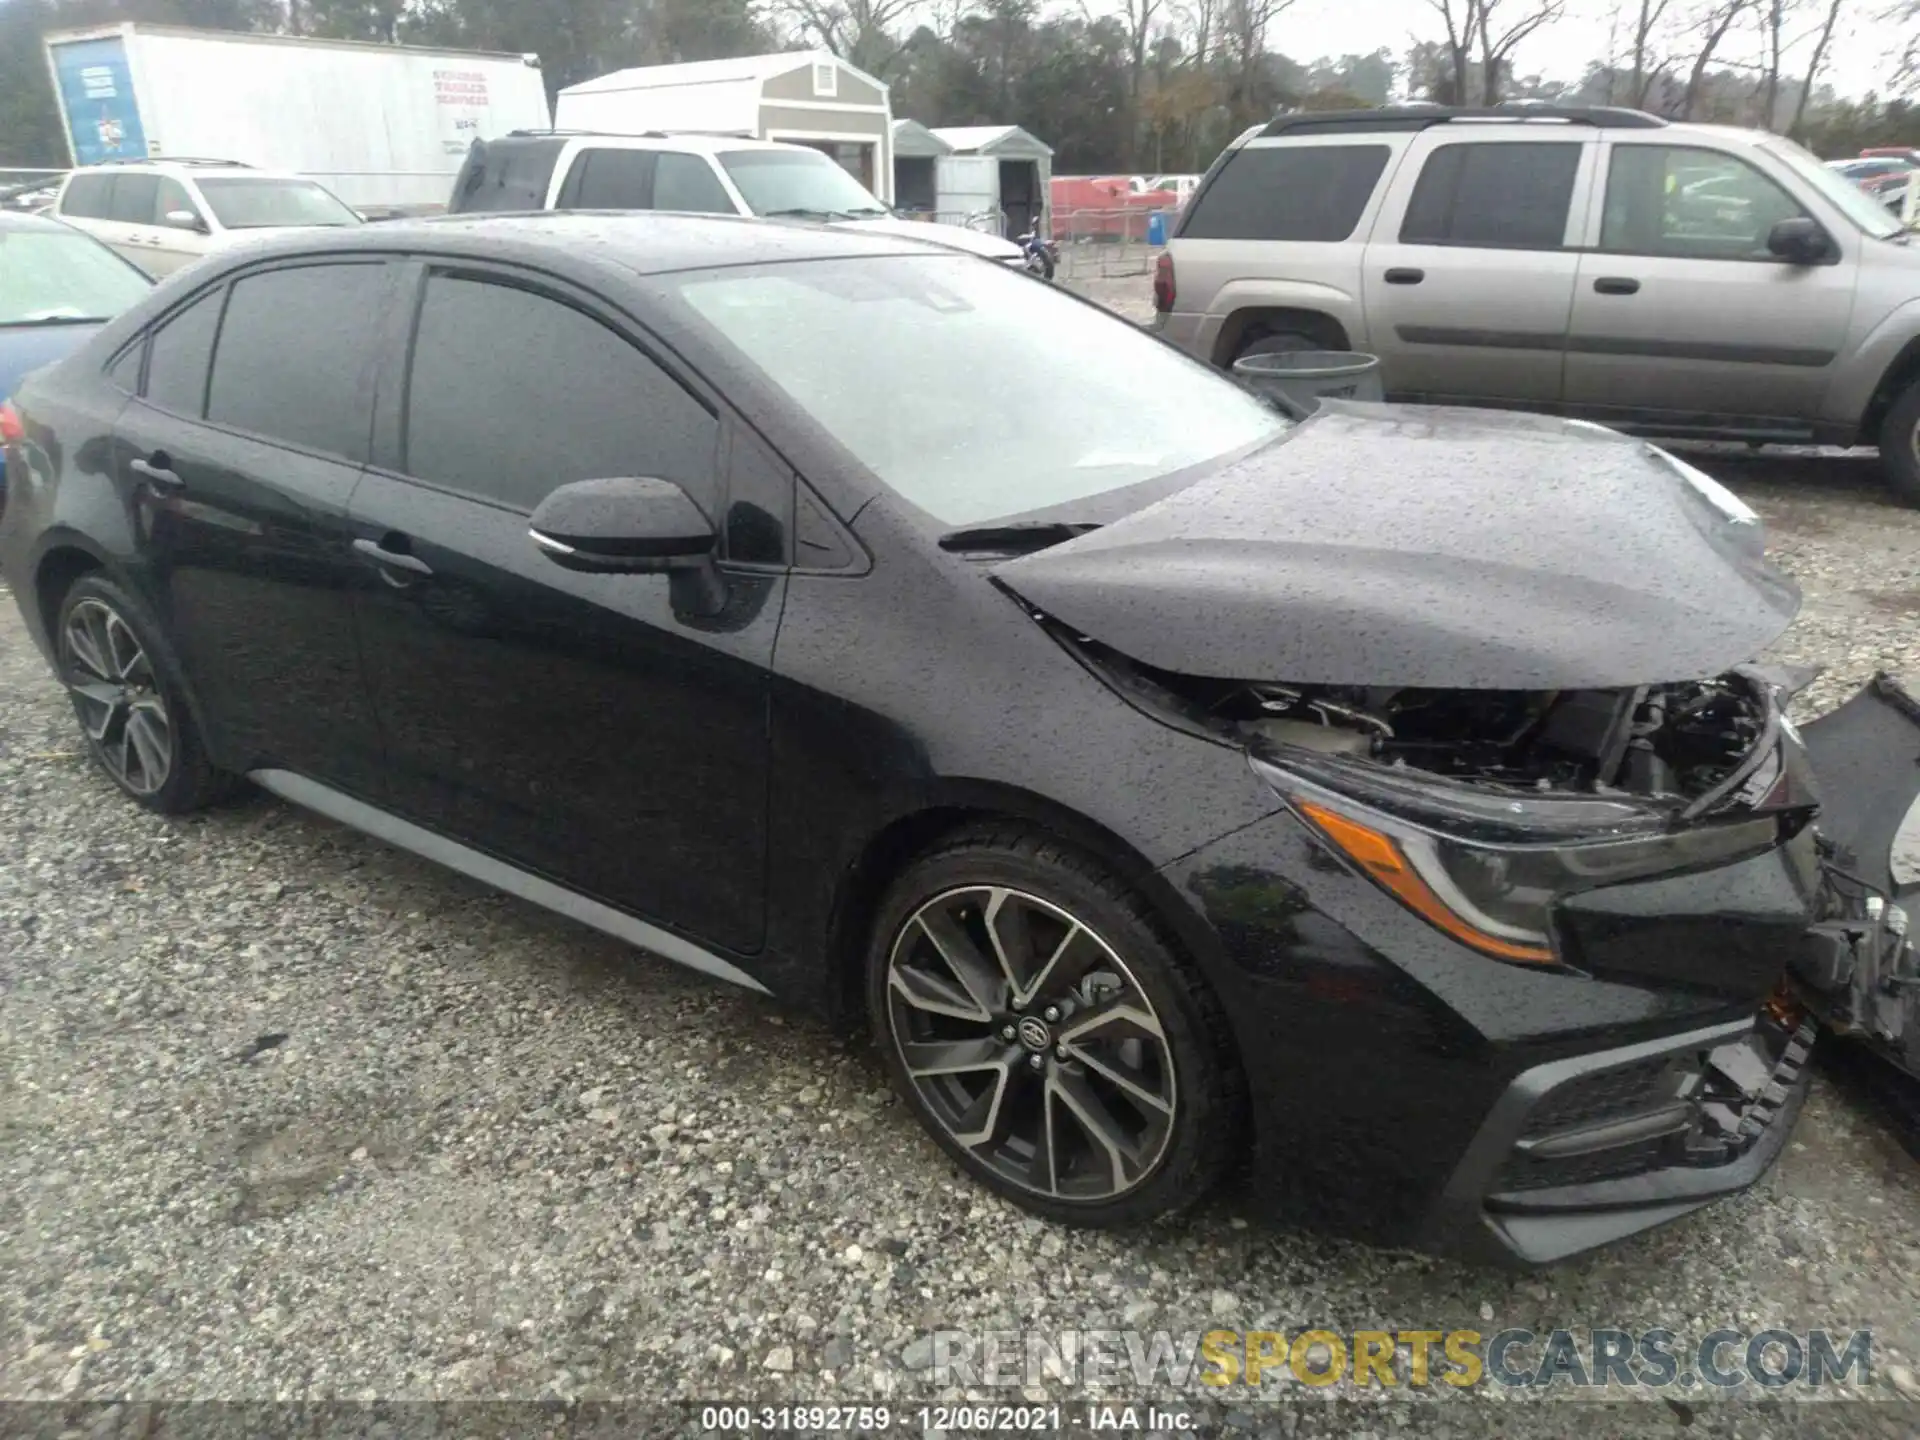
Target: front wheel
x=1030 y=1010
x=1900 y=445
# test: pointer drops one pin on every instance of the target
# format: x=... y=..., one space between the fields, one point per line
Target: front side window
x=800 y=183
x=969 y=390
x=60 y=276
x=172 y=200
x=292 y=363
x=512 y=393
x=179 y=354
x=687 y=182
x=1494 y=196
x=1856 y=204
x=248 y=202
x=1690 y=204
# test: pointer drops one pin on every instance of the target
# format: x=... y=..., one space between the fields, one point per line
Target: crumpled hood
x=954 y=237
x=1420 y=547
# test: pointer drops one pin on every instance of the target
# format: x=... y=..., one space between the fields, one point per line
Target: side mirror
x=185 y=220
x=1800 y=241
x=633 y=526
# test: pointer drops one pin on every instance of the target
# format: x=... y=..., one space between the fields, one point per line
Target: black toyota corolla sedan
x=1385 y=801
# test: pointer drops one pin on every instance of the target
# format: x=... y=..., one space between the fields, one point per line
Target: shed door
x=968 y=184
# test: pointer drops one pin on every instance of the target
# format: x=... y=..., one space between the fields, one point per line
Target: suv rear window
x=1496 y=196
x=506 y=175
x=1288 y=192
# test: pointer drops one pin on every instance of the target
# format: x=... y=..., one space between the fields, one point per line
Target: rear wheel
x=127 y=694
x=1050 y=1038
x=1900 y=445
x=1279 y=342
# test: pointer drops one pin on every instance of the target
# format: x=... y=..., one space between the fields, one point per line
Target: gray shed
x=994 y=167
x=806 y=97
x=917 y=152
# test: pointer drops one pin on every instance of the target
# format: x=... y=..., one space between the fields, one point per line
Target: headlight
x=1499 y=897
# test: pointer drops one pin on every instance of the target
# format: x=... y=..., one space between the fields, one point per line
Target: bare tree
x=1503 y=26
x=1644 y=25
x=1813 y=65
x=1773 y=24
x=1202 y=18
x=1462 y=18
x=866 y=33
x=1244 y=35
x=1712 y=29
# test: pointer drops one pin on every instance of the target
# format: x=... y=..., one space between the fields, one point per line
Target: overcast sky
x=1860 y=59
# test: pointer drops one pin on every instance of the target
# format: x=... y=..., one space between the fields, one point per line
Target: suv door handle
x=158 y=471
x=391 y=560
x=1402 y=276
x=1616 y=285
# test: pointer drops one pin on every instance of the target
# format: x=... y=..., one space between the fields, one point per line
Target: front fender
x=1889 y=344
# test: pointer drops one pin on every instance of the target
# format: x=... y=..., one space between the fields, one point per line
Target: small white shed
x=805 y=97
x=994 y=167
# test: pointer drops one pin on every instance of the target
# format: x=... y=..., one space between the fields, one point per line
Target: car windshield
x=61 y=276
x=797 y=182
x=1863 y=209
x=972 y=391
x=244 y=202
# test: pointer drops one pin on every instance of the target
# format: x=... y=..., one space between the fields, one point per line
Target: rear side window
x=134 y=198
x=293 y=359
x=1494 y=196
x=1289 y=192
x=178 y=356
x=513 y=393
x=609 y=180
x=88 y=197
x=687 y=182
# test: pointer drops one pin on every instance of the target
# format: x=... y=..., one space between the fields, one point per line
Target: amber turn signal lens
x=1381 y=857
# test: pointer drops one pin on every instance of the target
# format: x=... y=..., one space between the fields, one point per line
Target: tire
x=127 y=693
x=1132 y=1025
x=1900 y=445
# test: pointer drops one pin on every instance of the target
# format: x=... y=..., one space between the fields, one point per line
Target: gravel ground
x=286 y=1114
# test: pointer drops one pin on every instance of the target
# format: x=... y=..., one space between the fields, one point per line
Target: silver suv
x=1669 y=279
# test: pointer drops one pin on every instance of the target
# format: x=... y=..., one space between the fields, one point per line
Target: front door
x=240 y=455
x=1469 y=277
x=577 y=726
x=1681 y=311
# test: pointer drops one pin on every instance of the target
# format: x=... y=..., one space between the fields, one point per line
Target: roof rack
x=1423 y=117
x=639 y=134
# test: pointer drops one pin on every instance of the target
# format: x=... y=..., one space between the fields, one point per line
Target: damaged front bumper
x=1860 y=972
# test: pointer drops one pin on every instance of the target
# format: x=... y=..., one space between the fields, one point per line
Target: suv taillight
x=1163 y=282
x=10 y=427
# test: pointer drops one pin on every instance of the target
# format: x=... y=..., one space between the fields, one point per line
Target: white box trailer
x=379 y=125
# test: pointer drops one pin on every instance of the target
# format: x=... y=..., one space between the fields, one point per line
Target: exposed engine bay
x=1675 y=742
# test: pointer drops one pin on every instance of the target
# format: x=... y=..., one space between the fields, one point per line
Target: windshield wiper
x=1019 y=537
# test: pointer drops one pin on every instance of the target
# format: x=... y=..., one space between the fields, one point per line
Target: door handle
x=1616 y=285
x=390 y=560
x=1401 y=275
x=158 y=471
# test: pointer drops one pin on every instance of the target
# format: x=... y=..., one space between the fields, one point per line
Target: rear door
x=86 y=203
x=1470 y=275
x=1682 y=314
x=240 y=454
x=577 y=726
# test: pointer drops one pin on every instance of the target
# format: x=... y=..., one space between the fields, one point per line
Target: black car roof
x=646 y=243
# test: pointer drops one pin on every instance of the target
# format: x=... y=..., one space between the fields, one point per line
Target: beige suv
x=1669 y=279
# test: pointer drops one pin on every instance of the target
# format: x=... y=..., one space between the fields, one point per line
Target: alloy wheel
x=1031 y=1043
x=117 y=696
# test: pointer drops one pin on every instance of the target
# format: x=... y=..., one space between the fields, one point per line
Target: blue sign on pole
x=96 y=89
